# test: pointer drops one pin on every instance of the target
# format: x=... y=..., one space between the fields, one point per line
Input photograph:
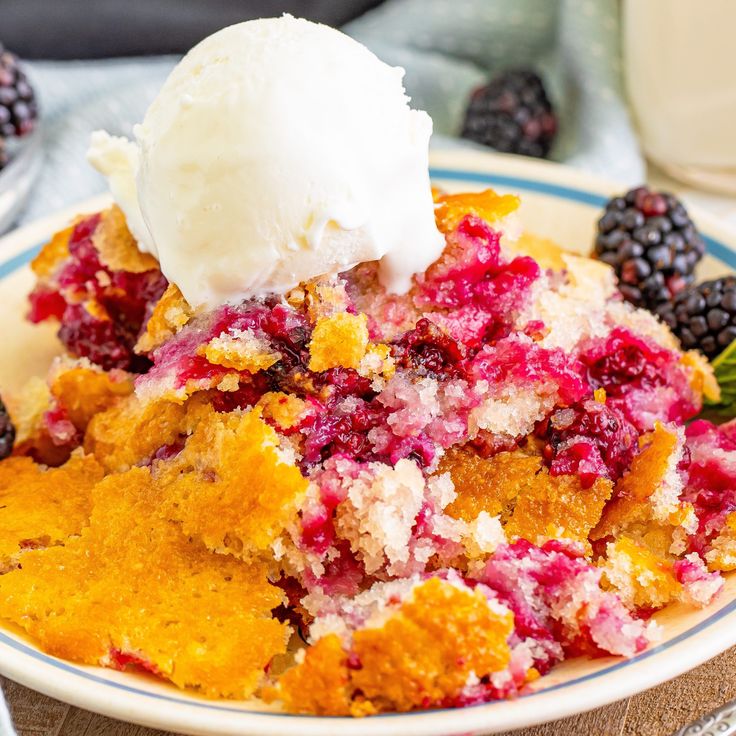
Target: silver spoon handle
x=720 y=722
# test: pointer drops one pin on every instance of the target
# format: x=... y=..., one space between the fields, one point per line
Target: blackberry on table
x=651 y=242
x=704 y=316
x=7 y=432
x=18 y=107
x=512 y=114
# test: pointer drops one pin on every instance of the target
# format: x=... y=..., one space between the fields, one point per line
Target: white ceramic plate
x=559 y=203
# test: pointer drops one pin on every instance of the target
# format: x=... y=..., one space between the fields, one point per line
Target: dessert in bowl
x=359 y=491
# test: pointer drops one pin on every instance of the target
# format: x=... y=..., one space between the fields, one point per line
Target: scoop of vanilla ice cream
x=277 y=150
x=117 y=159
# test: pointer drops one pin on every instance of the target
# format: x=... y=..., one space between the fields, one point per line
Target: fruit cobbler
x=346 y=501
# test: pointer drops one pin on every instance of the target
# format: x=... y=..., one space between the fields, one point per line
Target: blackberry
x=650 y=240
x=18 y=108
x=512 y=114
x=704 y=316
x=7 y=432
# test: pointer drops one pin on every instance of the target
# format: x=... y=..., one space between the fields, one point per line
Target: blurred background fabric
x=448 y=47
x=87 y=29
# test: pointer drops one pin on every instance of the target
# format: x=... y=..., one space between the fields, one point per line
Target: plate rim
x=197 y=716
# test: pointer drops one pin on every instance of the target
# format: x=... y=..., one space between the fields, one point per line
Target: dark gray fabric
x=83 y=29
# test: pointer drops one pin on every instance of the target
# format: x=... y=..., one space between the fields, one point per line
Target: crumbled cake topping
x=338 y=341
x=544 y=251
x=231 y=486
x=531 y=503
x=82 y=390
x=284 y=411
x=450 y=209
x=241 y=350
x=136 y=590
x=379 y=511
x=43 y=507
x=487 y=485
x=650 y=491
x=116 y=245
x=170 y=313
x=447 y=632
x=640 y=576
x=52 y=254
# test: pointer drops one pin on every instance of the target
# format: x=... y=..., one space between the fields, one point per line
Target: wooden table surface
x=657 y=712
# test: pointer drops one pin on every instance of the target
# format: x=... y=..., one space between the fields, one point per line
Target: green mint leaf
x=724 y=367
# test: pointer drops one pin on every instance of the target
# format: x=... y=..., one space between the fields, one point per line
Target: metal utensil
x=720 y=722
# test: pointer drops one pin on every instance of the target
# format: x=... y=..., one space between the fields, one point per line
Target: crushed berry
x=342 y=428
x=479 y=293
x=60 y=428
x=471 y=274
x=101 y=311
x=419 y=448
x=251 y=389
x=343 y=574
x=711 y=480
x=502 y=293
x=487 y=444
x=289 y=332
x=167 y=452
x=339 y=383
x=121 y=660
x=588 y=439
x=428 y=350
x=644 y=380
x=527 y=364
x=45 y=304
x=292 y=611
x=627 y=362
x=472 y=254
x=104 y=342
x=318 y=531
x=546 y=571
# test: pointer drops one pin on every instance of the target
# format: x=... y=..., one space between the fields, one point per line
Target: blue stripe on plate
x=529 y=185
x=721 y=251
x=715 y=247
x=14 y=263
